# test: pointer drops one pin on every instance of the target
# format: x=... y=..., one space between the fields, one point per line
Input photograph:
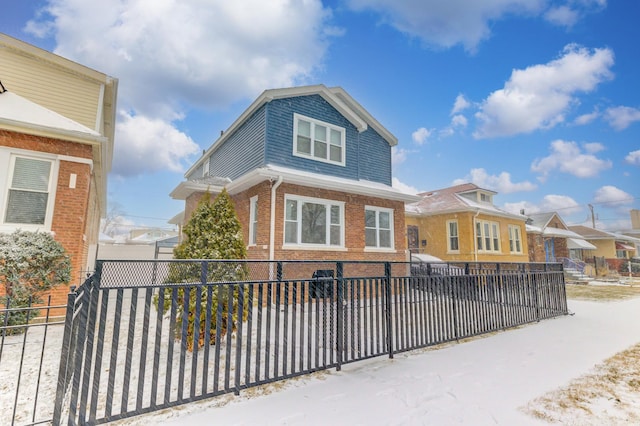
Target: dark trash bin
x=321 y=285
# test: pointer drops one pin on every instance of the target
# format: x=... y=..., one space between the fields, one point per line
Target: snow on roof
x=14 y=108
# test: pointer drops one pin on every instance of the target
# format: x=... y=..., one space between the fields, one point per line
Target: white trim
x=516 y=232
x=5 y=186
x=493 y=236
x=377 y=228
x=253 y=224
x=312 y=133
x=449 y=249
x=300 y=200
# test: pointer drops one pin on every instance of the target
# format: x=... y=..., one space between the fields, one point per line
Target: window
x=313 y=221
x=452 y=236
x=488 y=236
x=29 y=190
x=515 y=242
x=318 y=140
x=253 y=220
x=378 y=227
x=205 y=167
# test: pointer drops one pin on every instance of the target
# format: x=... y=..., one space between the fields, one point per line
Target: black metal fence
x=30 y=339
x=136 y=340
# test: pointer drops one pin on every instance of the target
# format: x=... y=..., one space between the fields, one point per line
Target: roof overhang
x=416 y=212
x=550 y=231
x=336 y=97
x=313 y=180
x=579 y=243
x=624 y=247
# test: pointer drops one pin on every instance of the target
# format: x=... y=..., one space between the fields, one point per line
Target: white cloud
x=562 y=16
x=563 y=204
x=146 y=144
x=567 y=157
x=586 y=118
x=398 y=155
x=500 y=183
x=461 y=103
x=593 y=147
x=459 y=121
x=622 y=117
x=201 y=52
x=612 y=196
x=539 y=96
x=396 y=183
x=421 y=135
x=468 y=23
x=633 y=158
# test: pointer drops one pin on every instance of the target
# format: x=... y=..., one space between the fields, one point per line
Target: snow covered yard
x=551 y=371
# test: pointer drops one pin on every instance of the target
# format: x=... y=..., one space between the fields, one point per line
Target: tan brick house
x=309 y=170
x=461 y=223
x=57 y=122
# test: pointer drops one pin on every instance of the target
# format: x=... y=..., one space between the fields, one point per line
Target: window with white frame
x=488 y=236
x=378 y=227
x=29 y=191
x=253 y=220
x=515 y=240
x=453 y=242
x=318 y=140
x=313 y=222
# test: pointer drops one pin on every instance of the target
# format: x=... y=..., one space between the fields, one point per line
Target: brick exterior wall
x=70 y=210
x=536 y=247
x=353 y=227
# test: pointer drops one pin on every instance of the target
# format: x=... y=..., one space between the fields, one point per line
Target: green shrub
x=30 y=264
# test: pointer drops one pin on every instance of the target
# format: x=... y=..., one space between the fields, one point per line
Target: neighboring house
x=550 y=239
x=635 y=229
x=309 y=170
x=57 y=122
x=609 y=245
x=461 y=223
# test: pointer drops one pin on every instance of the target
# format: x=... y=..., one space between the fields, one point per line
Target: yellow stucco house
x=609 y=245
x=461 y=223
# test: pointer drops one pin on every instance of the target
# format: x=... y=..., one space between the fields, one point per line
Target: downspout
x=475 y=236
x=272 y=222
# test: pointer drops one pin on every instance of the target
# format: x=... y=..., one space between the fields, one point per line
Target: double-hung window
x=515 y=240
x=453 y=242
x=318 y=140
x=253 y=220
x=488 y=236
x=378 y=227
x=313 y=222
x=28 y=196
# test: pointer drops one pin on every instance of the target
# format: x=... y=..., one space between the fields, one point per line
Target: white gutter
x=475 y=236
x=272 y=224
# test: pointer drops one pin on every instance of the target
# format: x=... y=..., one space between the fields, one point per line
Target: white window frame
x=450 y=236
x=488 y=236
x=515 y=239
x=206 y=166
x=8 y=159
x=253 y=220
x=313 y=123
x=377 y=228
x=328 y=204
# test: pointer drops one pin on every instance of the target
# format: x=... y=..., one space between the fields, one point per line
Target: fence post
x=339 y=313
x=387 y=287
x=61 y=388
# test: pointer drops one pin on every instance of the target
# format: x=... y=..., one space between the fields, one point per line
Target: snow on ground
x=483 y=381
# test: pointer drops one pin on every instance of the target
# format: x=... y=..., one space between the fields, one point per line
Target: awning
x=577 y=243
x=625 y=247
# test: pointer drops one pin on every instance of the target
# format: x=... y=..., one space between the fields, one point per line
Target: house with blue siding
x=309 y=170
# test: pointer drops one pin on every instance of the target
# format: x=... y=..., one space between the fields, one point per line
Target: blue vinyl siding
x=242 y=152
x=368 y=156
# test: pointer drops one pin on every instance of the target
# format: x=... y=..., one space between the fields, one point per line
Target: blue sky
x=536 y=99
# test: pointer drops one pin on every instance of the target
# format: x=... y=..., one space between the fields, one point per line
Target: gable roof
x=335 y=96
x=450 y=200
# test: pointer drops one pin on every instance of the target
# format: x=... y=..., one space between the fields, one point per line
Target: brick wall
x=354 y=224
x=71 y=204
x=536 y=247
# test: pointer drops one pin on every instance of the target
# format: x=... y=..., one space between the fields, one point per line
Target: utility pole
x=593 y=218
